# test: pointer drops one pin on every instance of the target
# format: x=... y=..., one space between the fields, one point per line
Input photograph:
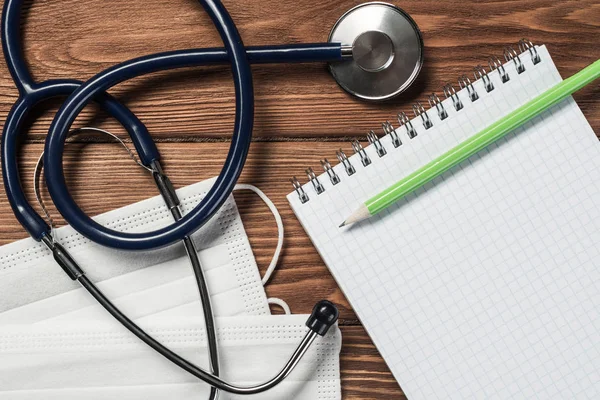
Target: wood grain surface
x=301 y=114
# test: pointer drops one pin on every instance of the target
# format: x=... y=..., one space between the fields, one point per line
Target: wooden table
x=301 y=114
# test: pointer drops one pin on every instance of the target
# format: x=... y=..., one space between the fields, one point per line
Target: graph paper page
x=485 y=283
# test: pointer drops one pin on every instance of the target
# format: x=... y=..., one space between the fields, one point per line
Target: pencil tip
x=342 y=224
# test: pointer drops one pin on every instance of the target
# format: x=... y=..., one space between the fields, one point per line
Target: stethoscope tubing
x=225 y=181
x=243 y=125
x=32 y=94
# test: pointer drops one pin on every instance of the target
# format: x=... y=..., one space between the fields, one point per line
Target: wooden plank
x=364 y=374
x=291 y=100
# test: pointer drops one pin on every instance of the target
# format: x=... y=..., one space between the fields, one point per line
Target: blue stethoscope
x=379 y=50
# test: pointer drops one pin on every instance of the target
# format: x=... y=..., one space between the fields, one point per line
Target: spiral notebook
x=485 y=282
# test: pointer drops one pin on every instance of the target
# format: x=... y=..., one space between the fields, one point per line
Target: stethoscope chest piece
x=387 y=51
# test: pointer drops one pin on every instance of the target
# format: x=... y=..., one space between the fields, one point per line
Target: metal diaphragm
x=387 y=51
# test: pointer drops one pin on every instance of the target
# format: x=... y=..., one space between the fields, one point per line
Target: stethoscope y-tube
x=31 y=93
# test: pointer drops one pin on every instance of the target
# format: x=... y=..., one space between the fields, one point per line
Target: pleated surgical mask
x=70 y=361
x=34 y=289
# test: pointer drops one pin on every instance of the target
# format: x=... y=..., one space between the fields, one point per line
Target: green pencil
x=475 y=143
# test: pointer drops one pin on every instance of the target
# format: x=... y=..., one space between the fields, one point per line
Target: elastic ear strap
x=281 y=303
x=279 y=222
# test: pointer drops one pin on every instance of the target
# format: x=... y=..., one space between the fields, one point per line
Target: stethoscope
x=383 y=57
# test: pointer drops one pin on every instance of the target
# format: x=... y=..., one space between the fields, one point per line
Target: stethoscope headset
x=383 y=58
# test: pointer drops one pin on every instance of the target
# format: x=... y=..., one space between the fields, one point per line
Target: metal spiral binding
x=343 y=159
x=525 y=44
x=487 y=82
x=434 y=101
x=450 y=93
x=404 y=121
x=419 y=111
x=495 y=64
x=333 y=177
x=374 y=140
x=511 y=54
x=388 y=129
x=358 y=149
x=465 y=82
x=298 y=188
x=312 y=177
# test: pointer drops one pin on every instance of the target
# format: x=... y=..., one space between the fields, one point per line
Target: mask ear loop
x=280 y=236
x=39 y=167
x=281 y=303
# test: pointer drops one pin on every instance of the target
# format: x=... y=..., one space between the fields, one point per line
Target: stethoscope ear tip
x=323 y=316
x=386 y=47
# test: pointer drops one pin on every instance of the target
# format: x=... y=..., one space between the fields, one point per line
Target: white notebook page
x=485 y=283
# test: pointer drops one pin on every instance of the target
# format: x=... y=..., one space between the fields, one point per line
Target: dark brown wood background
x=301 y=115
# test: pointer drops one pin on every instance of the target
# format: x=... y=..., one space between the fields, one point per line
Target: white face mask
x=34 y=289
x=103 y=361
x=157 y=289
